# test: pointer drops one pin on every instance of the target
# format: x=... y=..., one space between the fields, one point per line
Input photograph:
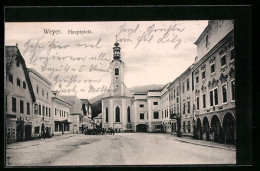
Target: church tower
x=117 y=102
x=117 y=74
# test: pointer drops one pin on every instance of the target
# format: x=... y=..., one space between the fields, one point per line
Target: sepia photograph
x=120 y=93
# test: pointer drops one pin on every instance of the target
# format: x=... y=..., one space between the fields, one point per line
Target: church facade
x=124 y=110
x=117 y=102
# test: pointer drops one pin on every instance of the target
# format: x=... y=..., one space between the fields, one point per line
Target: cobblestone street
x=118 y=149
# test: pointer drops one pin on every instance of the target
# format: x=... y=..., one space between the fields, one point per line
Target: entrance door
x=28 y=132
x=19 y=131
x=141 y=128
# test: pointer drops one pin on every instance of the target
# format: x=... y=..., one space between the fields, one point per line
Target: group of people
x=109 y=131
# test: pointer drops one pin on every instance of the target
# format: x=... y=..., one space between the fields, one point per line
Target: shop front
x=61 y=127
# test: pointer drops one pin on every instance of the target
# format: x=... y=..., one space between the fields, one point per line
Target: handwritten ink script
x=79 y=61
x=153 y=33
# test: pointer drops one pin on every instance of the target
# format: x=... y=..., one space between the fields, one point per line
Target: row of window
x=62 y=113
x=174 y=94
x=212 y=70
x=42 y=110
x=18 y=81
x=165 y=114
x=214 y=95
x=212 y=66
x=22 y=103
x=47 y=94
x=118 y=114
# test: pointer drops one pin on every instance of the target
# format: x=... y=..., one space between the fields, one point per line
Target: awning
x=63 y=121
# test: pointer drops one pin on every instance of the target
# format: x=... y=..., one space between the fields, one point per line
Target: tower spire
x=116 y=50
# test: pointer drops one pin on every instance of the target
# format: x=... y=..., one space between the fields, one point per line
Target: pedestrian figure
x=44 y=133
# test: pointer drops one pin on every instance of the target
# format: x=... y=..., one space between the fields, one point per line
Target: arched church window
x=106 y=114
x=116 y=71
x=117 y=114
x=128 y=114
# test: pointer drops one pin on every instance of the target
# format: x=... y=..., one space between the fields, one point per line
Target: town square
x=154 y=93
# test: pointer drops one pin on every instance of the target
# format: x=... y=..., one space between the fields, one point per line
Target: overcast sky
x=154 y=52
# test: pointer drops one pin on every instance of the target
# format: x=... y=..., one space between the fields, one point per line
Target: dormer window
x=207 y=41
x=116 y=71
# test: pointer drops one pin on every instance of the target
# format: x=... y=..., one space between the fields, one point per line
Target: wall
x=18 y=92
x=43 y=99
x=216 y=31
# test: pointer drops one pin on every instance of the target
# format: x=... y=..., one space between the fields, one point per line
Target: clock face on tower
x=116 y=64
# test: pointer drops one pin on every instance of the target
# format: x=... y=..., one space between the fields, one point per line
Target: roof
x=187 y=71
x=85 y=101
x=99 y=116
x=165 y=86
x=61 y=99
x=154 y=91
x=39 y=75
x=140 y=93
x=12 y=53
x=127 y=92
x=75 y=102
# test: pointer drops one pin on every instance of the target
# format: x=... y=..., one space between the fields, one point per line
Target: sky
x=75 y=56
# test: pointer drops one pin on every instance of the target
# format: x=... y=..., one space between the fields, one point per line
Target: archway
x=206 y=129
x=199 y=129
x=229 y=128
x=216 y=128
x=141 y=128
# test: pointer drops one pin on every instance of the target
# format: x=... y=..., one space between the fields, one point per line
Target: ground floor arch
x=216 y=129
x=206 y=129
x=199 y=129
x=229 y=128
x=141 y=128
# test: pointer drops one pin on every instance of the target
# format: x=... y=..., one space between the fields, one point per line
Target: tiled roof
x=39 y=75
x=127 y=92
x=12 y=53
x=75 y=102
x=99 y=116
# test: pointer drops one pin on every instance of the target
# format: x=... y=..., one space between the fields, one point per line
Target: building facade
x=186 y=102
x=76 y=114
x=19 y=97
x=61 y=114
x=214 y=83
x=42 y=114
